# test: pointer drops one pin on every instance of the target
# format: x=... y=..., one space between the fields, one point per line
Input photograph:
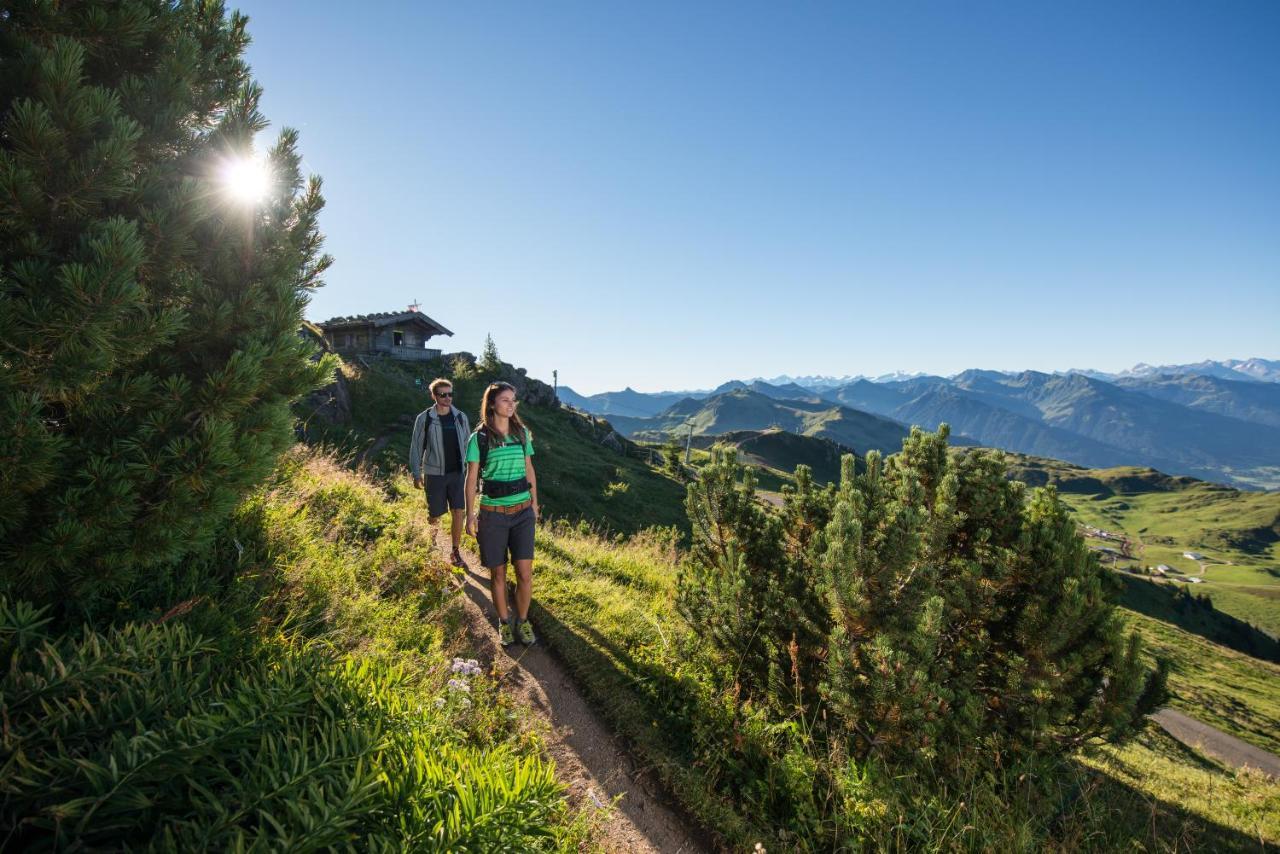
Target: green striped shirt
x=505 y=463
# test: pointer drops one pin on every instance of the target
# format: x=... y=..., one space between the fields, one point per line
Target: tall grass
x=301 y=698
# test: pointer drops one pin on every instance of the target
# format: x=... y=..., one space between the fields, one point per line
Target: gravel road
x=1213 y=742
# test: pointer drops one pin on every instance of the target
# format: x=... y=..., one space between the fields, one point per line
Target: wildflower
x=458 y=685
x=439 y=702
x=466 y=704
x=759 y=849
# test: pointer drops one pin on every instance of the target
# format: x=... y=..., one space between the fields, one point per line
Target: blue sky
x=669 y=195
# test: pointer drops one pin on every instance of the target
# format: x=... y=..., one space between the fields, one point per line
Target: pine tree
x=490 y=363
x=673 y=457
x=148 y=321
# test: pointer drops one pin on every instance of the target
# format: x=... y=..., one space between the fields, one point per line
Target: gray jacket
x=427 y=457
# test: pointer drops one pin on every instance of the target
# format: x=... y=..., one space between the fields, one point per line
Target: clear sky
x=670 y=195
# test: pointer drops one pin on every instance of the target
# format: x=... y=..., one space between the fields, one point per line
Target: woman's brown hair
x=515 y=425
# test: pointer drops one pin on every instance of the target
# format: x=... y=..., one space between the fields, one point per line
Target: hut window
x=397 y=338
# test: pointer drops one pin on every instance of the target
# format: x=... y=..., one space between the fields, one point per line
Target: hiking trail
x=589 y=760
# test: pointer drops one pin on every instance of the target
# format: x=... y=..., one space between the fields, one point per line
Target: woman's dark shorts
x=444 y=492
x=503 y=534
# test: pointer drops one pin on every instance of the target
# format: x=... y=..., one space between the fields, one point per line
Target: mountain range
x=1212 y=420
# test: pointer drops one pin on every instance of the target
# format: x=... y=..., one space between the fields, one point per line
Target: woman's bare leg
x=498 y=589
x=524 y=588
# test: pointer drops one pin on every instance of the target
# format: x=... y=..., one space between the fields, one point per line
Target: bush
x=928 y=620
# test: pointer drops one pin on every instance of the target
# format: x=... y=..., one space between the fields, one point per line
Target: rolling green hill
x=744 y=409
x=1236 y=532
x=780 y=452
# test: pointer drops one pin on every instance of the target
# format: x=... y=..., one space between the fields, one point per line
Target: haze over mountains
x=1212 y=420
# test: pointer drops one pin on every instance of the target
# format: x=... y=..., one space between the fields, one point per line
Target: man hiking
x=436 y=451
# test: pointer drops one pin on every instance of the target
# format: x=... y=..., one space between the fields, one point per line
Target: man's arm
x=415 y=449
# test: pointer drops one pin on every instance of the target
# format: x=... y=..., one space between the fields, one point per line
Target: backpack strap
x=482 y=442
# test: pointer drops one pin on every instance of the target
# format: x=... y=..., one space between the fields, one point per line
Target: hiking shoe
x=524 y=631
x=506 y=636
x=456 y=559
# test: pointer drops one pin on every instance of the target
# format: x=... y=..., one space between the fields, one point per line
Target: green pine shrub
x=149 y=320
x=927 y=621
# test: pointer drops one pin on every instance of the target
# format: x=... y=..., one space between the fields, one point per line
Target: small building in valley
x=393 y=334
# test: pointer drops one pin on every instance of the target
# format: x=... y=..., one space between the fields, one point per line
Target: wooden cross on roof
x=414 y=306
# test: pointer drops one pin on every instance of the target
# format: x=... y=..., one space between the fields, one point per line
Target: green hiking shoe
x=506 y=636
x=524 y=631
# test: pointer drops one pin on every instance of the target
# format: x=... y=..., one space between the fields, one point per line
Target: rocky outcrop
x=602 y=433
x=332 y=403
x=528 y=389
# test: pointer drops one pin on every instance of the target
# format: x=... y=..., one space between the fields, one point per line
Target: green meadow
x=1236 y=532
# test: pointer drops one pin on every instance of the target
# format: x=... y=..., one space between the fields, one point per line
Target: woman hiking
x=500 y=453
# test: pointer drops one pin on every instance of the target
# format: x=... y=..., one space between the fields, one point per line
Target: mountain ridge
x=1209 y=426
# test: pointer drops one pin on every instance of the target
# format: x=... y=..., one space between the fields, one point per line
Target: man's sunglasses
x=444 y=394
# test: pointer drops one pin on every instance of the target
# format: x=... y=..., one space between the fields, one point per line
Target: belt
x=514 y=508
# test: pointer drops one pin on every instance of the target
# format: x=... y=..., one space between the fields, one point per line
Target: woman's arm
x=469 y=490
x=533 y=484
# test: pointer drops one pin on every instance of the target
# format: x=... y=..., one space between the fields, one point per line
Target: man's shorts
x=503 y=534
x=444 y=492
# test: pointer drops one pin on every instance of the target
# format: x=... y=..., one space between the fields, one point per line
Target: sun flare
x=246 y=179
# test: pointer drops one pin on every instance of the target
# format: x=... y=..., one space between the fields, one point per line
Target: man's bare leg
x=459 y=521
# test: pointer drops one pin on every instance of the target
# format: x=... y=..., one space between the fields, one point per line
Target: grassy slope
x=1230 y=690
x=1239 y=532
x=318 y=712
x=607 y=609
x=578 y=478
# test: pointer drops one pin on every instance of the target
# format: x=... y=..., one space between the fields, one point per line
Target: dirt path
x=588 y=760
x=1221 y=746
